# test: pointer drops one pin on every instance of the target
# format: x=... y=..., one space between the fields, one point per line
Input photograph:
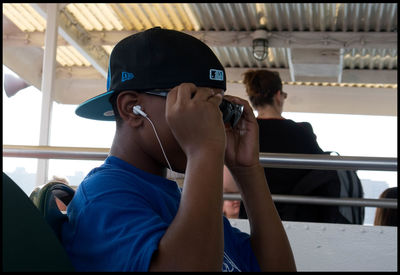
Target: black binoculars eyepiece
x=231 y=112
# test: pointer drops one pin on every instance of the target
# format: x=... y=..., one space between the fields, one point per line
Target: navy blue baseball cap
x=155 y=59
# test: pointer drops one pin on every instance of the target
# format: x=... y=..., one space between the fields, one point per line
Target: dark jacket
x=287 y=136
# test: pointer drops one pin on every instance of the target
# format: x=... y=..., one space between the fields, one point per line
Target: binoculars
x=231 y=112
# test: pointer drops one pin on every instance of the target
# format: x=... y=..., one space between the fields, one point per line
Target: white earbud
x=137 y=110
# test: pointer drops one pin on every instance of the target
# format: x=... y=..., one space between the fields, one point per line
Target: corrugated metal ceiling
x=313 y=17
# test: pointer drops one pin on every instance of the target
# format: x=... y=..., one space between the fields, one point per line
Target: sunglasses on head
x=231 y=112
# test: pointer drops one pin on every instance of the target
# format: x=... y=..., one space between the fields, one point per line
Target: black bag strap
x=351 y=186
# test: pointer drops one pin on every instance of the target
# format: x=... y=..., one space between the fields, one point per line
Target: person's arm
x=194 y=239
x=267 y=235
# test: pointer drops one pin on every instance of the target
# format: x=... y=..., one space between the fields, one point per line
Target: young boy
x=230 y=208
x=125 y=215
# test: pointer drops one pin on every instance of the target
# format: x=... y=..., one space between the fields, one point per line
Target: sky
x=350 y=135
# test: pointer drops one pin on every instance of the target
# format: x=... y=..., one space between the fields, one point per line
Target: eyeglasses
x=158 y=92
x=231 y=112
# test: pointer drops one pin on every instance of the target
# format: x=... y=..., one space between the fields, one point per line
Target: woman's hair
x=387 y=216
x=261 y=86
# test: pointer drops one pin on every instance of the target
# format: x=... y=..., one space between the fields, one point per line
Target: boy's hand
x=195 y=119
x=242 y=145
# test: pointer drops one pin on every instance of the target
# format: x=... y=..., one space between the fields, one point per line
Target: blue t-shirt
x=119 y=215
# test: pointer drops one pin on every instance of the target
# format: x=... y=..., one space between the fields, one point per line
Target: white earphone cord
x=155 y=131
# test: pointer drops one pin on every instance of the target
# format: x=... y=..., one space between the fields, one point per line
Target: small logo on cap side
x=216 y=75
x=126 y=76
x=108 y=113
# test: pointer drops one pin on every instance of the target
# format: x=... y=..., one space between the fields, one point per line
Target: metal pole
x=53 y=152
x=267 y=159
x=299 y=161
x=48 y=76
x=384 y=203
x=327 y=162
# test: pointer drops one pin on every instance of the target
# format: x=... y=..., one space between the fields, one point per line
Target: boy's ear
x=125 y=102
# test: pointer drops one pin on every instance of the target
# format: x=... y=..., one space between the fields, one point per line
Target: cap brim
x=98 y=108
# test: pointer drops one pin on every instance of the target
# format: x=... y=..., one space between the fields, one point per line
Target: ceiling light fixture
x=13 y=84
x=260 y=44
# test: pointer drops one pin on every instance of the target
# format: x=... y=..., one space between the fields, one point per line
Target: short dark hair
x=261 y=86
x=113 y=101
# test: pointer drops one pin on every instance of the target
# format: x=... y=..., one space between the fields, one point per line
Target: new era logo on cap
x=216 y=75
x=126 y=76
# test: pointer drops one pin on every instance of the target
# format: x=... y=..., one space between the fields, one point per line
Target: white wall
x=339 y=247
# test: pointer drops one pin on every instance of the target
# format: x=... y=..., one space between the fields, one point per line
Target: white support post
x=291 y=69
x=340 y=73
x=48 y=76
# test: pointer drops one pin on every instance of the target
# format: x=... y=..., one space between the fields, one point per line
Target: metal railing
x=273 y=160
x=55 y=152
x=384 y=203
x=327 y=162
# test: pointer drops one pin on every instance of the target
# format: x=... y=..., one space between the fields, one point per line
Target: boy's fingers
x=171 y=96
x=203 y=93
x=216 y=99
x=181 y=94
x=185 y=92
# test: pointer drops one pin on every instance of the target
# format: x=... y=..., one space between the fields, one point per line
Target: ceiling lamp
x=260 y=44
x=13 y=84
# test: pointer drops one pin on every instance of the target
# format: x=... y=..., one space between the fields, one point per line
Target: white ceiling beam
x=236 y=75
x=315 y=62
x=78 y=72
x=27 y=39
x=348 y=76
x=333 y=100
x=79 y=38
x=18 y=59
x=78 y=90
x=313 y=99
x=324 y=40
x=369 y=76
x=321 y=40
x=71 y=90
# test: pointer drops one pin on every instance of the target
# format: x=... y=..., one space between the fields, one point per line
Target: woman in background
x=387 y=216
x=280 y=135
